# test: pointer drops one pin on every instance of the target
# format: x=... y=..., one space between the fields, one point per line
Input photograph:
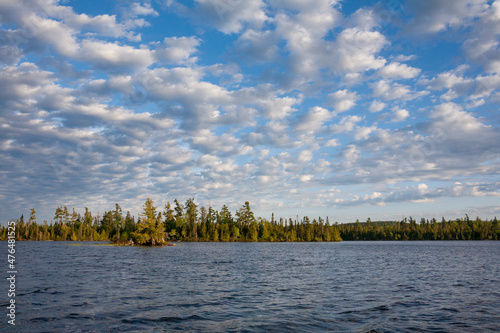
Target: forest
x=188 y=222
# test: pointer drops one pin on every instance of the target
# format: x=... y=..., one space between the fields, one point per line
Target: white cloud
x=383 y=89
x=446 y=80
x=58 y=27
x=422 y=188
x=395 y=70
x=215 y=113
x=363 y=132
x=376 y=106
x=332 y=143
x=304 y=31
x=177 y=50
x=343 y=100
x=480 y=17
x=112 y=55
x=20 y=84
x=400 y=115
x=313 y=120
x=346 y=124
x=305 y=178
x=209 y=143
x=373 y=196
x=257 y=45
x=403 y=58
x=431 y=16
x=142 y=10
x=278 y=107
x=351 y=154
x=451 y=116
x=355 y=50
x=351 y=79
x=476 y=103
x=268 y=100
x=305 y=156
x=65 y=32
x=106 y=25
x=216 y=164
x=230 y=16
x=54 y=33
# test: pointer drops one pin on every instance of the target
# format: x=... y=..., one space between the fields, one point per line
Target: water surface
x=258 y=287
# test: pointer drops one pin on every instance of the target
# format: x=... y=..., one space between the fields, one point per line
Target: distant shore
x=188 y=223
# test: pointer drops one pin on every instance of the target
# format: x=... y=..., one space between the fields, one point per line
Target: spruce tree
x=150 y=229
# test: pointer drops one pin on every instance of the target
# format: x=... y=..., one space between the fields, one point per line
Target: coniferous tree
x=191 y=219
x=150 y=229
x=168 y=215
x=220 y=226
x=245 y=217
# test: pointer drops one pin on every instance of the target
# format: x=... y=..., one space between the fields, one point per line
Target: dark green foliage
x=409 y=229
x=189 y=223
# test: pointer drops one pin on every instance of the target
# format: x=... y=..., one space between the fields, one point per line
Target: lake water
x=257 y=287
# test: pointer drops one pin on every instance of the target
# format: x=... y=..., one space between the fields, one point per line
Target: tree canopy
x=150 y=228
x=189 y=222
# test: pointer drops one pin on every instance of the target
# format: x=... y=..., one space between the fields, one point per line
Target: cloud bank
x=317 y=109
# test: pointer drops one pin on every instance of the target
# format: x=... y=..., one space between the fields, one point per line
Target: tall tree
x=150 y=229
x=191 y=218
x=117 y=217
x=168 y=214
x=225 y=216
x=245 y=217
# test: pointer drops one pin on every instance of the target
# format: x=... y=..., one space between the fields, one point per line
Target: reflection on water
x=247 y=287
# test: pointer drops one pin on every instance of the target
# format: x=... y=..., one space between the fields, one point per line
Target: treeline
x=188 y=222
x=409 y=229
x=178 y=222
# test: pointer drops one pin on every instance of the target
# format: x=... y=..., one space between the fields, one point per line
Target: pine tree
x=150 y=229
x=168 y=214
x=191 y=218
x=245 y=217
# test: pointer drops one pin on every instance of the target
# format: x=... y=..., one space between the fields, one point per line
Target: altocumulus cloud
x=309 y=109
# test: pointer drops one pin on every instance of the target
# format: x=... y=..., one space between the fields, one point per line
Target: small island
x=149 y=230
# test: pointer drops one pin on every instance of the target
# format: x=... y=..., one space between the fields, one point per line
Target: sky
x=346 y=109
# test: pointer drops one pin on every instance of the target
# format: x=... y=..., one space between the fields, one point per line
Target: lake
x=421 y=286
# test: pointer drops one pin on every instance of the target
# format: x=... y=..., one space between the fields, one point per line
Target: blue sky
x=344 y=109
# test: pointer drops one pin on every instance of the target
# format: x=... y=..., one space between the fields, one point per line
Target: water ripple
x=260 y=287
